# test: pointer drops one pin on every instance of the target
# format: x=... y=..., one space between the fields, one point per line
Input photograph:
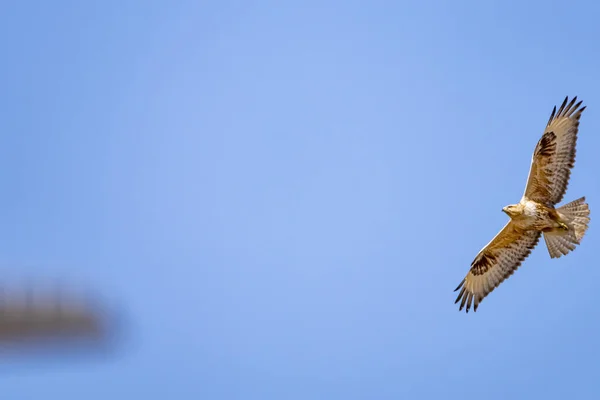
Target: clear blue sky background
x=283 y=195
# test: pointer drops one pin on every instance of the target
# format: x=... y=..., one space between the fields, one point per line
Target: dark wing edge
x=565 y=110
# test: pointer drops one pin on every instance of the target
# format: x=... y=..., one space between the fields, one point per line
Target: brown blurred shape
x=26 y=315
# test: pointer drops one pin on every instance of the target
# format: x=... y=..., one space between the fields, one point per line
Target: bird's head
x=512 y=210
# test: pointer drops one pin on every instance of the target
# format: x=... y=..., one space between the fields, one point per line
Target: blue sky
x=283 y=195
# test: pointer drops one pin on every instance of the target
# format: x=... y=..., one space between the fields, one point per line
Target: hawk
x=535 y=214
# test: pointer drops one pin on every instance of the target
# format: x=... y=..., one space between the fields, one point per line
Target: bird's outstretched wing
x=554 y=155
x=494 y=263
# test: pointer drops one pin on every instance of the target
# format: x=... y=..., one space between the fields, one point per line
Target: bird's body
x=535 y=214
x=530 y=214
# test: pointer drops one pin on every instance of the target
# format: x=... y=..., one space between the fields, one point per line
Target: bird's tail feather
x=576 y=216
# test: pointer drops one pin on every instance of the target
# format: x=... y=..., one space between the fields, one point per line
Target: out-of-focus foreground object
x=33 y=319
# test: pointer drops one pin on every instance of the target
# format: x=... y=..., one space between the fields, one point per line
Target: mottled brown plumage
x=535 y=214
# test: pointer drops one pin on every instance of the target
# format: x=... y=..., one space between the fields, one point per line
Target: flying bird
x=535 y=214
